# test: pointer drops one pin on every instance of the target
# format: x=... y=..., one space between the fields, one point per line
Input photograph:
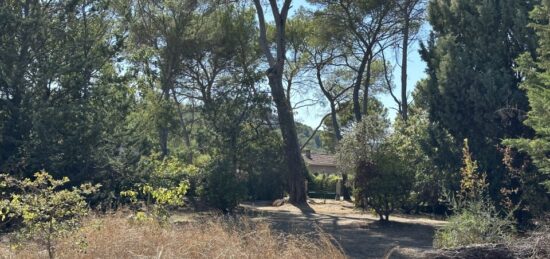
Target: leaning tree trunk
x=296 y=170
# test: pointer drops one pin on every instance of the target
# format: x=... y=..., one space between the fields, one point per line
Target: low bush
x=477 y=223
x=46 y=210
x=116 y=237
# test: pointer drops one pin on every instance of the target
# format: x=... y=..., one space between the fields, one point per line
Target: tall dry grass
x=117 y=237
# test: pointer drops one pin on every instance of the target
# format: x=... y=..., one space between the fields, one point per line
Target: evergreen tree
x=472 y=90
x=537 y=84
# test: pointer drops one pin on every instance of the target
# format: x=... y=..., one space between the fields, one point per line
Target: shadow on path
x=359 y=234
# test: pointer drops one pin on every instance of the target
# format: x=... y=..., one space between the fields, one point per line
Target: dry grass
x=117 y=237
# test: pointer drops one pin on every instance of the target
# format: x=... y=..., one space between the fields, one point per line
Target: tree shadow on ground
x=360 y=237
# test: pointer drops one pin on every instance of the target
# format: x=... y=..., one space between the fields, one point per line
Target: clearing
x=360 y=234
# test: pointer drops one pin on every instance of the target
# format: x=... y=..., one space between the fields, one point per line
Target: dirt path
x=359 y=234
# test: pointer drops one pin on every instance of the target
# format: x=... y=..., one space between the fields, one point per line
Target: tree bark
x=367 y=85
x=335 y=124
x=296 y=170
x=404 y=102
x=163 y=129
x=357 y=86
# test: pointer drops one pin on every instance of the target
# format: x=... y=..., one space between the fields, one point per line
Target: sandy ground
x=360 y=234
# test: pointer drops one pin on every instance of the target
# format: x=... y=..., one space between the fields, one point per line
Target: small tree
x=45 y=210
x=164 y=183
x=472 y=184
x=477 y=220
x=382 y=181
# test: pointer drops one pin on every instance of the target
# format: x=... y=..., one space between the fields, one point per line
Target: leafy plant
x=476 y=220
x=156 y=200
x=323 y=183
x=45 y=209
x=225 y=185
x=382 y=182
x=477 y=223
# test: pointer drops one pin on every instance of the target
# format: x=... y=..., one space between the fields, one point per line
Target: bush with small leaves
x=46 y=210
x=225 y=185
x=476 y=221
x=156 y=200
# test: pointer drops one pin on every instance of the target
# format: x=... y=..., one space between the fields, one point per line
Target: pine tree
x=537 y=86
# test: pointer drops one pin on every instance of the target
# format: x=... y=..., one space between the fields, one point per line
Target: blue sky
x=312 y=115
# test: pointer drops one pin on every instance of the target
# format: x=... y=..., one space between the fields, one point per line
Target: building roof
x=320 y=160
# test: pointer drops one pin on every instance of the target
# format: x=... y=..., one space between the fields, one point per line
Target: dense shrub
x=156 y=200
x=478 y=222
x=265 y=166
x=224 y=185
x=382 y=180
x=45 y=209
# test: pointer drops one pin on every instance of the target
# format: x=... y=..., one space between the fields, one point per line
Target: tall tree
x=55 y=67
x=472 y=87
x=159 y=37
x=365 y=28
x=537 y=84
x=295 y=163
x=411 y=15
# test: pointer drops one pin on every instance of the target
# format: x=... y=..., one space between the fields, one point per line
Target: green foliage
x=157 y=200
x=479 y=222
x=537 y=85
x=472 y=90
x=422 y=146
x=55 y=69
x=263 y=161
x=163 y=183
x=323 y=183
x=172 y=170
x=382 y=180
x=46 y=211
x=225 y=185
x=476 y=219
x=304 y=133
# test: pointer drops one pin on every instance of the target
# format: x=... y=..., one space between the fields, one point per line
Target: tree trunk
x=296 y=169
x=335 y=124
x=404 y=103
x=163 y=129
x=357 y=87
x=367 y=85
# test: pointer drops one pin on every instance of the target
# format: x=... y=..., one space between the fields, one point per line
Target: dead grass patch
x=116 y=237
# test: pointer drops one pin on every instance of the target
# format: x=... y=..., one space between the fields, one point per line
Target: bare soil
x=359 y=233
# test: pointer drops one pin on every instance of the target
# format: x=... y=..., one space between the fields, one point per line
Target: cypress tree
x=472 y=88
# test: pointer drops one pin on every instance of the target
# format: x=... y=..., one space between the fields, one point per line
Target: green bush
x=156 y=200
x=477 y=223
x=383 y=181
x=225 y=185
x=45 y=209
x=323 y=183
